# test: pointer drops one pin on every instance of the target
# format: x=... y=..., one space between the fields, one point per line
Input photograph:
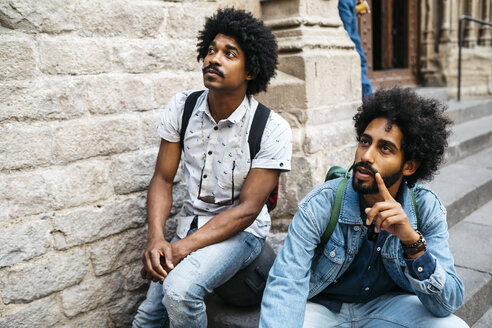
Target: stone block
x=109 y=254
x=56 y=187
x=123 y=311
x=51 y=16
x=147 y=56
x=132 y=278
x=99 y=221
x=149 y=122
x=42 y=99
x=17 y=58
x=70 y=56
x=91 y=294
x=132 y=172
x=119 y=18
x=89 y=320
x=117 y=93
x=24 y=241
x=192 y=15
x=26 y=282
x=167 y=84
x=327 y=137
x=95 y=137
x=35 y=148
x=41 y=314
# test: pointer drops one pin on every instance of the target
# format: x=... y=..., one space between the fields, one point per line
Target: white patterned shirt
x=216 y=148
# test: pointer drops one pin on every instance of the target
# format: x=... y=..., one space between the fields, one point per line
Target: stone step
x=485 y=321
x=462 y=111
x=464 y=186
x=471 y=246
x=469 y=138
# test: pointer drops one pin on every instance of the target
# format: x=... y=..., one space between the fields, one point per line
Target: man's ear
x=250 y=77
x=410 y=167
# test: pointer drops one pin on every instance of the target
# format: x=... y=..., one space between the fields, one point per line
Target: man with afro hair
x=223 y=221
x=387 y=262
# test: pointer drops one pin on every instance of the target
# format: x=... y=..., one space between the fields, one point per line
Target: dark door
x=389 y=37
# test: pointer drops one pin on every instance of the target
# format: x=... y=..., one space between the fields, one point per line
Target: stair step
x=463 y=111
x=485 y=321
x=464 y=186
x=471 y=246
x=469 y=138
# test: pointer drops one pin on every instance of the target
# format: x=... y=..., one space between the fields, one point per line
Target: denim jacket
x=302 y=269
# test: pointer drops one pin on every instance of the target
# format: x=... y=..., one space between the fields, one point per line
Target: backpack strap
x=415 y=207
x=188 y=110
x=335 y=210
x=256 y=131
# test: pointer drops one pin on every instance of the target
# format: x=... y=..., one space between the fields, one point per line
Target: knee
x=180 y=291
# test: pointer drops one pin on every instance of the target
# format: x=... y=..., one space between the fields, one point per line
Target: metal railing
x=460 y=42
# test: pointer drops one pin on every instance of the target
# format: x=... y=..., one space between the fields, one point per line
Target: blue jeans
x=179 y=300
x=348 y=15
x=389 y=310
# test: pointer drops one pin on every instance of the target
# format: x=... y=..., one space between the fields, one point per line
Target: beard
x=389 y=179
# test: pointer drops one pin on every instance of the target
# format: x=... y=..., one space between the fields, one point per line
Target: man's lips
x=362 y=173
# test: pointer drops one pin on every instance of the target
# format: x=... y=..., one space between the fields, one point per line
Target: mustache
x=366 y=166
x=213 y=68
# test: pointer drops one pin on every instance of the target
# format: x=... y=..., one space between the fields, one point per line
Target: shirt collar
x=237 y=114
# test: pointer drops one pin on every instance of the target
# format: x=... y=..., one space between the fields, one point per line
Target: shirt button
x=378 y=249
x=366 y=289
x=281 y=164
x=420 y=269
x=204 y=176
x=356 y=228
x=216 y=128
x=210 y=152
x=332 y=253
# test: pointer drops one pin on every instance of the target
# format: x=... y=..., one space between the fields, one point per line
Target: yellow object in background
x=363 y=5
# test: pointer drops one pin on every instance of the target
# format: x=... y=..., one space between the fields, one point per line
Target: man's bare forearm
x=159 y=202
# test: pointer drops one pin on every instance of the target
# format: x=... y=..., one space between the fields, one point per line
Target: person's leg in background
x=348 y=15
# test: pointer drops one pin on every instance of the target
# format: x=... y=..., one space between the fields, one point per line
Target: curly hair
x=424 y=126
x=255 y=39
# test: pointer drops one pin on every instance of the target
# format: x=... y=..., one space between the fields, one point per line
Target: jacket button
x=332 y=253
x=420 y=269
x=356 y=228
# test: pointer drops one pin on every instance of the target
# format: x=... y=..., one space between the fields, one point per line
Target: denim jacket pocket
x=329 y=262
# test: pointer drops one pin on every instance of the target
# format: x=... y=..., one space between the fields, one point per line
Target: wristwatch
x=418 y=246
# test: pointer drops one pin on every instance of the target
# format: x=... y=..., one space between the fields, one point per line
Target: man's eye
x=230 y=54
x=363 y=142
x=210 y=50
x=386 y=149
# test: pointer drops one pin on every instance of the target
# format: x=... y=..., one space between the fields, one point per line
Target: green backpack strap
x=335 y=210
x=415 y=207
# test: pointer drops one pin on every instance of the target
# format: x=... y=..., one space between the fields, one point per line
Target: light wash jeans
x=179 y=300
x=389 y=310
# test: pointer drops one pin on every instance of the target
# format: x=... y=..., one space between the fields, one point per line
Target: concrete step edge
x=467 y=110
x=465 y=185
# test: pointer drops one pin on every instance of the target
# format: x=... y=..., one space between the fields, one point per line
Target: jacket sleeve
x=285 y=296
x=442 y=292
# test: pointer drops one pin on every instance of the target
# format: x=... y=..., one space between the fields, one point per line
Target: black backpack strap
x=188 y=110
x=256 y=131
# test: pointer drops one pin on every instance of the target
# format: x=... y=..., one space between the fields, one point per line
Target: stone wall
x=82 y=87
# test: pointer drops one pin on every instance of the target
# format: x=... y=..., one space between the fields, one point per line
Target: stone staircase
x=464 y=185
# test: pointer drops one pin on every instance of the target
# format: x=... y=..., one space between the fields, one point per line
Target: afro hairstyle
x=255 y=39
x=424 y=126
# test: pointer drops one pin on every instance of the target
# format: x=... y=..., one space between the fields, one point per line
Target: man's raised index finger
x=383 y=191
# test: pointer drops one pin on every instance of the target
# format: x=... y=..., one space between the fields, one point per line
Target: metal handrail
x=460 y=42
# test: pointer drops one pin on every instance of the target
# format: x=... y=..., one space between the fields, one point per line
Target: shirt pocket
x=330 y=261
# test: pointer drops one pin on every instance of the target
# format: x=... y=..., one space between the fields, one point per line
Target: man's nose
x=368 y=155
x=215 y=59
